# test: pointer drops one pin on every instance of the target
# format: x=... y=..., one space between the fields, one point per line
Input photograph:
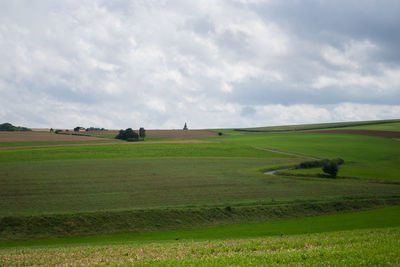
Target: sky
x=213 y=64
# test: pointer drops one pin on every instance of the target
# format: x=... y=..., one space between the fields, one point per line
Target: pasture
x=99 y=186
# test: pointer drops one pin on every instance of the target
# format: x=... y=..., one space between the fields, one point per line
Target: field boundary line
x=286 y=153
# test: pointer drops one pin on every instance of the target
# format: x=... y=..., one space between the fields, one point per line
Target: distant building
x=185 y=127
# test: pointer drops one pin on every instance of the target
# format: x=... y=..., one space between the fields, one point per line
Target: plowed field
x=42 y=137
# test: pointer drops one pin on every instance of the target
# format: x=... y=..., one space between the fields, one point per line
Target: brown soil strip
x=42 y=137
x=384 y=134
x=121 y=143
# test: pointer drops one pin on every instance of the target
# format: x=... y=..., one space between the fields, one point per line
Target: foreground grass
x=375 y=218
x=368 y=247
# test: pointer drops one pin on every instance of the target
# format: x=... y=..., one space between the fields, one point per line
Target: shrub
x=220 y=134
x=318 y=163
x=331 y=167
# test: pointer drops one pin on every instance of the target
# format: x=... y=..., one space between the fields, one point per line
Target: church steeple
x=185 y=127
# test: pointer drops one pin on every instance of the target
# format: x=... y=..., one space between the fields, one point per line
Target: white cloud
x=158 y=64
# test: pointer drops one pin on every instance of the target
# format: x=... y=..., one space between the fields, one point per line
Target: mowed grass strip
x=136 y=151
x=371 y=238
x=93 y=185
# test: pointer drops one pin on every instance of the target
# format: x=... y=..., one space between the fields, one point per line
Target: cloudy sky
x=233 y=63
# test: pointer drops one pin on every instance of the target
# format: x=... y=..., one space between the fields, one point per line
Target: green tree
x=142 y=132
x=128 y=135
x=331 y=167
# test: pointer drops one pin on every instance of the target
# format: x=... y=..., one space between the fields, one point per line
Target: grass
x=369 y=247
x=83 y=190
x=350 y=239
x=89 y=185
x=150 y=220
x=382 y=170
x=379 y=127
x=373 y=157
x=136 y=150
x=323 y=145
x=302 y=127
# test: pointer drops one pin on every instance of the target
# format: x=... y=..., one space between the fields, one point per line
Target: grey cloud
x=161 y=63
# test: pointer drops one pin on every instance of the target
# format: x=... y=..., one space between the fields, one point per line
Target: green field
x=371 y=157
x=71 y=179
x=98 y=189
x=375 y=125
x=370 y=237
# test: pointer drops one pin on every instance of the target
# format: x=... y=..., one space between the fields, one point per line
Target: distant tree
x=331 y=167
x=185 y=127
x=78 y=128
x=51 y=130
x=9 y=127
x=142 y=132
x=220 y=134
x=95 y=129
x=128 y=135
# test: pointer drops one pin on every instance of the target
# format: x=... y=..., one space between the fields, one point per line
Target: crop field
x=14 y=137
x=72 y=188
x=366 y=238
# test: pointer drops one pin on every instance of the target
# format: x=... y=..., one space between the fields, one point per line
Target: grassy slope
x=375 y=218
x=379 y=127
x=147 y=220
x=301 y=127
x=366 y=247
x=374 y=157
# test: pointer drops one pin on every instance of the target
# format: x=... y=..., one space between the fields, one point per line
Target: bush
x=331 y=167
x=318 y=163
x=128 y=135
x=220 y=134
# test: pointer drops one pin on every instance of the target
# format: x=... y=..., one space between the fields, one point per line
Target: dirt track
x=115 y=143
x=42 y=137
x=384 y=134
